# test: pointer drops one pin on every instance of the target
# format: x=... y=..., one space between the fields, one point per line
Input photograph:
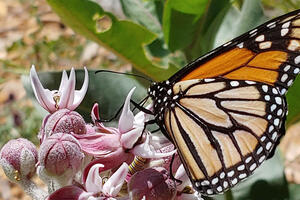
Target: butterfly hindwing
x=223 y=129
x=268 y=54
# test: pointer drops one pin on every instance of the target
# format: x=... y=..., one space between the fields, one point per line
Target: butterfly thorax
x=163 y=97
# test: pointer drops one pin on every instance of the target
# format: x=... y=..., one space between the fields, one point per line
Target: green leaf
x=145 y=13
x=293 y=97
x=109 y=90
x=294 y=190
x=181 y=20
x=149 y=15
x=237 y=22
x=124 y=38
x=211 y=21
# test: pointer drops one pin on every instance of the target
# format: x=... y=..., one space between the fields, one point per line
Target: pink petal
x=127 y=117
x=146 y=150
x=141 y=117
x=64 y=80
x=110 y=162
x=44 y=96
x=114 y=184
x=100 y=127
x=94 y=181
x=67 y=193
x=181 y=175
x=67 y=92
x=95 y=113
x=193 y=196
x=98 y=144
x=79 y=95
x=130 y=138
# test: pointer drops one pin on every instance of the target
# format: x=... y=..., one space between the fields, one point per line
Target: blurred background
x=31 y=33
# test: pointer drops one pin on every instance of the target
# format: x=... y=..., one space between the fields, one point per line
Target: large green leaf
x=294 y=191
x=211 y=21
x=181 y=21
x=237 y=22
x=109 y=90
x=148 y=14
x=293 y=99
x=145 y=13
x=124 y=38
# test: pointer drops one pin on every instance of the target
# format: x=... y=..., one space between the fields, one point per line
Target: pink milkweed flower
x=152 y=184
x=94 y=187
x=65 y=97
x=113 y=146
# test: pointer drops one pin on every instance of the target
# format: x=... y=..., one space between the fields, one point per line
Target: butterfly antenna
x=124 y=73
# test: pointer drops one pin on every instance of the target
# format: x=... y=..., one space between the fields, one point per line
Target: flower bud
x=18 y=158
x=152 y=184
x=61 y=152
x=64 y=121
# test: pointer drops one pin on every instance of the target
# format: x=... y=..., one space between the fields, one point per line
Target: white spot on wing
x=268 y=146
x=204 y=183
x=286 y=24
x=260 y=38
x=297 y=60
x=261 y=159
x=214 y=181
x=259 y=150
x=284 y=77
x=284 y=31
x=271 y=25
x=253 y=166
x=241 y=45
x=248 y=159
x=286 y=68
x=276 y=122
x=278 y=100
x=265 y=45
x=265 y=88
x=234 y=83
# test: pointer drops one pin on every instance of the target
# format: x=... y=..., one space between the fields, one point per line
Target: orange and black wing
x=269 y=54
x=223 y=129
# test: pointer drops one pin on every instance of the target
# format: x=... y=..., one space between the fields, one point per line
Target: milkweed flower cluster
x=83 y=161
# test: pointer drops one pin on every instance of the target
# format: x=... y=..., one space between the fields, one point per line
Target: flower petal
x=194 y=196
x=131 y=137
x=146 y=150
x=141 y=117
x=127 y=117
x=94 y=181
x=64 y=80
x=79 y=95
x=44 y=96
x=181 y=175
x=68 y=192
x=114 y=184
x=67 y=92
x=95 y=113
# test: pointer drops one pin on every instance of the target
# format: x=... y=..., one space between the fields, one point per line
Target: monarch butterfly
x=225 y=112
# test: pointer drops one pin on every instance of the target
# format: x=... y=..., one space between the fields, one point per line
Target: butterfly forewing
x=223 y=129
x=268 y=54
